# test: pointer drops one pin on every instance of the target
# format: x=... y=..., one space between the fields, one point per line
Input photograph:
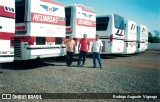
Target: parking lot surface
x=138 y=73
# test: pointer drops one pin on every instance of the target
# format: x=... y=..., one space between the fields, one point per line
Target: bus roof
x=84 y=8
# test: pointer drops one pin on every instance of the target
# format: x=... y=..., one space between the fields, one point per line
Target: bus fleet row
x=31 y=29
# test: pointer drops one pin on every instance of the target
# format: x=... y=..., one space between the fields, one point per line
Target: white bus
x=80 y=20
x=130 y=37
x=146 y=37
x=40 y=29
x=110 y=29
x=142 y=39
x=7 y=30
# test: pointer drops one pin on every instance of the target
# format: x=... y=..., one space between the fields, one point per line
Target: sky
x=144 y=12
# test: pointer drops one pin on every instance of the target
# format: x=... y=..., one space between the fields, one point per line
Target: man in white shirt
x=96 y=50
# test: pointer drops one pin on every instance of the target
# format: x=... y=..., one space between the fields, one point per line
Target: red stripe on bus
x=50 y=39
x=32 y=39
x=6 y=36
x=48 y=19
x=29 y=39
x=84 y=9
x=5 y=13
x=20 y=27
x=89 y=39
x=53 y=2
x=84 y=22
x=111 y=37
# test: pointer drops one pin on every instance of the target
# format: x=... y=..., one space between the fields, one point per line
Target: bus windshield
x=102 y=23
x=118 y=22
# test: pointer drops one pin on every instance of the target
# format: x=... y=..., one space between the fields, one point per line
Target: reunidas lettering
x=45 y=18
x=84 y=22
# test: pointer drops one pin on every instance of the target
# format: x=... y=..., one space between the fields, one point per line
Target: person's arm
x=74 y=46
x=92 y=49
x=100 y=49
x=92 y=46
x=79 y=46
x=88 y=45
x=63 y=43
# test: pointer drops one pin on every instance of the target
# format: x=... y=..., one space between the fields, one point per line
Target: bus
x=80 y=20
x=145 y=28
x=130 y=37
x=142 y=39
x=7 y=30
x=110 y=29
x=40 y=29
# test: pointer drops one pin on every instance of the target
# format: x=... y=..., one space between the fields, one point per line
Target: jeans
x=96 y=55
x=69 y=58
x=82 y=54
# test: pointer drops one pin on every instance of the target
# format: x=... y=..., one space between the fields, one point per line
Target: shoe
x=84 y=65
x=101 y=67
x=94 y=67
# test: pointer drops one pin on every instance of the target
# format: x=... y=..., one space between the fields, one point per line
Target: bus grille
x=17 y=47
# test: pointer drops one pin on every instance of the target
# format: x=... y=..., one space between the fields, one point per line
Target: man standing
x=70 y=44
x=83 y=47
x=96 y=50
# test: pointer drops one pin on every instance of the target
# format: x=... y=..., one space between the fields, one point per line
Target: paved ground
x=138 y=73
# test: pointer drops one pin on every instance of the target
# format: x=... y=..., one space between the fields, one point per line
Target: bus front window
x=119 y=22
x=102 y=23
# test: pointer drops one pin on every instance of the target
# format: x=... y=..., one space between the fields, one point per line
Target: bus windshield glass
x=118 y=22
x=102 y=23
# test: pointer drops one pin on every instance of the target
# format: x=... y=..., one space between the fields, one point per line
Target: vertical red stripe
x=121 y=31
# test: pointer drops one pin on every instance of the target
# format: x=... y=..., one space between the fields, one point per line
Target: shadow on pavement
x=59 y=59
x=112 y=56
x=24 y=65
x=36 y=63
x=115 y=56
